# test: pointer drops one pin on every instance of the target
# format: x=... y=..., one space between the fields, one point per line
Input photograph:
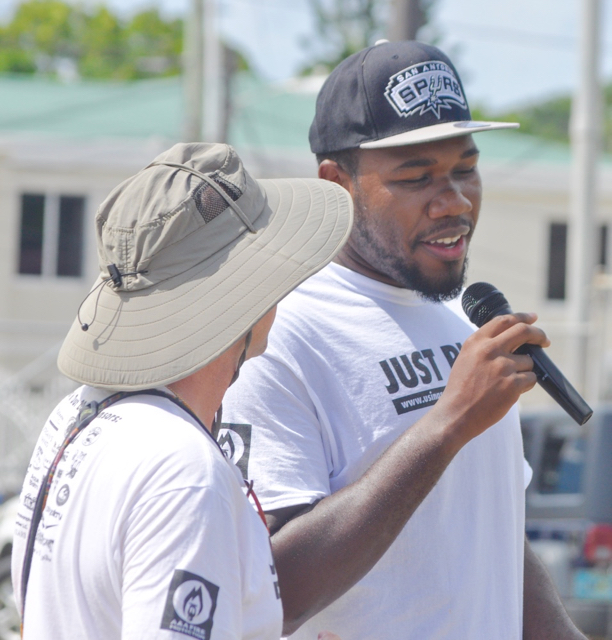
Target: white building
x=64 y=147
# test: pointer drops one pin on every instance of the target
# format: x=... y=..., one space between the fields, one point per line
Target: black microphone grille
x=481 y=301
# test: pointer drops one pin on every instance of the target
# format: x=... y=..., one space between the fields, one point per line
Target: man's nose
x=450 y=201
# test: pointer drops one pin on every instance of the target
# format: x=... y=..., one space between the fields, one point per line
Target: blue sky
x=509 y=52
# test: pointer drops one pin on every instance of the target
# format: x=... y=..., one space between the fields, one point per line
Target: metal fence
x=26 y=400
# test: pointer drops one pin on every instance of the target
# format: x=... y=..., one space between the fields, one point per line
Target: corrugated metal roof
x=91 y=109
x=264 y=116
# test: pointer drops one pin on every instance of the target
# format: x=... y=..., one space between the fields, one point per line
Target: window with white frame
x=557 y=257
x=51 y=235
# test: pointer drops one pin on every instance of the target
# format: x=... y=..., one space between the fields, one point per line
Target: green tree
x=550 y=118
x=344 y=27
x=39 y=31
x=99 y=44
x=102 y=47
x=155 y=43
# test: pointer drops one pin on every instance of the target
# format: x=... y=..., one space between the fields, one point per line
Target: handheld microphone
x=482 y=302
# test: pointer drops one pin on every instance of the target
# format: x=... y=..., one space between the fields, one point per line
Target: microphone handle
x=556 y=384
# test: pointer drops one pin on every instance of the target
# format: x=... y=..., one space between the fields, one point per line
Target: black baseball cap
x=390 y=95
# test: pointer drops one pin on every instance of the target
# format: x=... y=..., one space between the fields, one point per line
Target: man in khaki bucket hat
x=132 y=523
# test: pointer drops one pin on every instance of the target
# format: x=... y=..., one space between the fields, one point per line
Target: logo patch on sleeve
x=190 y=606
x=235 y=441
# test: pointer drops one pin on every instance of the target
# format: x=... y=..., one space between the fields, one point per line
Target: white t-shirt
x=146 y=533
x=351 y=364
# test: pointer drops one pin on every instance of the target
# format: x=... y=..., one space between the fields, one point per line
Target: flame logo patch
x=190 y=606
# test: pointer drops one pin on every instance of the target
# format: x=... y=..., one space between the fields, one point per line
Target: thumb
x=327 y=635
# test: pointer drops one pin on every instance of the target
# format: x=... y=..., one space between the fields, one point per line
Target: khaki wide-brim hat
x=192 y=253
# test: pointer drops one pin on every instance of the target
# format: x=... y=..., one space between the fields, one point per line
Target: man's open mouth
x=449 y=242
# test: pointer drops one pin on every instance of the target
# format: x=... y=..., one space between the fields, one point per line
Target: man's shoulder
x=149 y=434
x=317 y=286
x=330 y=295
x=152 y=444
x=308 y=305
x=322 y=298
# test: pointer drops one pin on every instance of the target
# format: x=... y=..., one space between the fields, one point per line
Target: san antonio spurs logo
x=190 y=606
x=424 y=87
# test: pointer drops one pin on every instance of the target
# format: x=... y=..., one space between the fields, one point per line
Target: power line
x=277 y=5
x=530 y=38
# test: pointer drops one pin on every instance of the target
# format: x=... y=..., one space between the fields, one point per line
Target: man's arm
x=322 y=550
x=544 y=616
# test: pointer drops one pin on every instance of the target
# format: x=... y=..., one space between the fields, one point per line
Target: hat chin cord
x=216 y=425
x=117 y=278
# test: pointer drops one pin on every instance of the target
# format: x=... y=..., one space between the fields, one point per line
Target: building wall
x=510 y=248
x=36 y=310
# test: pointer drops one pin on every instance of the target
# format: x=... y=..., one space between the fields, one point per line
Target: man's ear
x=332 y=171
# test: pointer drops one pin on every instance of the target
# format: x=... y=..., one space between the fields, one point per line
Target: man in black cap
x=396 y=497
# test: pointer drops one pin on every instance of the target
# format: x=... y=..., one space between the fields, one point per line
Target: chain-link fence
x=23 y=412
x=26 y=400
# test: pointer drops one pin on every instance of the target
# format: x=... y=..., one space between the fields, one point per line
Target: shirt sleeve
x=274 y=433
x=181 y=568
x=527 y=473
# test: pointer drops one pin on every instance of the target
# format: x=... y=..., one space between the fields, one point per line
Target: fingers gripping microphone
x=482 y=302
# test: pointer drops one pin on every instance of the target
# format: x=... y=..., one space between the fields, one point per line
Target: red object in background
x=598 y=544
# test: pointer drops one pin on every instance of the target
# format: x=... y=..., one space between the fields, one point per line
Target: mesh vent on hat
x=208 y=201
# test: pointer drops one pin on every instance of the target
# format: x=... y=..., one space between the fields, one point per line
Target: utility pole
x=193 y=71
x=407 y=17
x=585 y=130
x=214 y=87
x=203 y=74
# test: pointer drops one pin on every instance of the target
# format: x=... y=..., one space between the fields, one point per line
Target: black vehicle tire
x=9 y=617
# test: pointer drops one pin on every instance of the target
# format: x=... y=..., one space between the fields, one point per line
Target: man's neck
x=203 y=390
x=350 y=259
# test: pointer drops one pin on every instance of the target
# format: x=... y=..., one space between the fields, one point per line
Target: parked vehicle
x=9 y=618
x=569 y=510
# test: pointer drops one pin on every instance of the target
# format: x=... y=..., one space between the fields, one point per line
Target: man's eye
x=463 y=172
x=419 y=180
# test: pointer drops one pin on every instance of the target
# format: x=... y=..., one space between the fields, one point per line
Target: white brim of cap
x=437 y=132
x=155 y=336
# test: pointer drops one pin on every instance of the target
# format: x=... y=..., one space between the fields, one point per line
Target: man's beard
x=407 y=274
x=435 y=290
